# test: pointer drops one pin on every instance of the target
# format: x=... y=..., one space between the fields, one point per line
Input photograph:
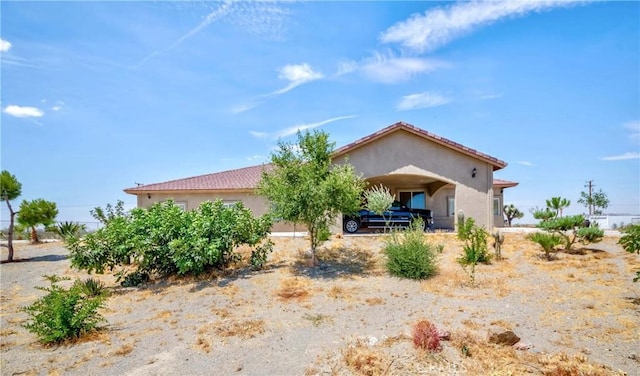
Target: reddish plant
x=426 y=336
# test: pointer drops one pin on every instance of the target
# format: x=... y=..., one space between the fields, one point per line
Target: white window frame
x=451 y=206
x=229 y=203
x=497 y=212
x=181 y=204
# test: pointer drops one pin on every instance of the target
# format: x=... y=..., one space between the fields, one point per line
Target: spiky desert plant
x=425 y=336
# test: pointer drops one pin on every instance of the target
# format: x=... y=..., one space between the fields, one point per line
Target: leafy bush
x=324 y=233
x=547 y=241
x=630 y=241
x=410 y=255
x=425 y=336
x=165 y=240
x=63 y=314
x=259 y=255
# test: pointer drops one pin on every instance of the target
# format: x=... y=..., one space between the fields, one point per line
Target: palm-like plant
x=558 y=204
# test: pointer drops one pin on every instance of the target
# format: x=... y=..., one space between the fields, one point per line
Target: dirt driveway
x=346 y=316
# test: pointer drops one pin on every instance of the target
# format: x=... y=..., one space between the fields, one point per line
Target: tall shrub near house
x=304 y=187
x=165 y=240
x=10 y=189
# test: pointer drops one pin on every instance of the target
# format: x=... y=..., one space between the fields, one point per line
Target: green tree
x=10 y=189
x=306 y=188
x=557 y=204
x=37 y=212
x=571 y=229
x=511 y=212
x=596 y=202
x=630 y=241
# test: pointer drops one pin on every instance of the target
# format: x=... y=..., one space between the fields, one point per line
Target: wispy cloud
x=303 y=127
x=623 y=157
x=389 y=69
x=216 y=14
x=23 y=112
x=259 y=134
x=634 y=128
x=5 y=45
x=437 y=27
x=421 y=100
x=296 y=74
x=256 y=157
x=525 y=163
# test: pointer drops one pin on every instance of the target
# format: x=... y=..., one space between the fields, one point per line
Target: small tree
x=10 y=189
x=557 y=204
x=547 y=241
x=306 y=188
x=594 y=201
x=511 y=212
x=379 y=201
x=543 y=215
x=475 y=247
x=37 y=212
x=571 y=229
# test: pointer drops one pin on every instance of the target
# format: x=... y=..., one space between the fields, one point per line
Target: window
x=181 y=204
x=497 y=208
x=451 y=206
x=413 y=200
x=228 y=204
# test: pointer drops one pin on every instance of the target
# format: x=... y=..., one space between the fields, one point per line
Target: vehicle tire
x=351 y=225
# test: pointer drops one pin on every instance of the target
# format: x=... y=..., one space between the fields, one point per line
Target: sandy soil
x=579 y=313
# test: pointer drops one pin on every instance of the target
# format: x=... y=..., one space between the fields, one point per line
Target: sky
x=99 y=96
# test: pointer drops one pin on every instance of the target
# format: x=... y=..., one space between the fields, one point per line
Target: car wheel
x=351 y=226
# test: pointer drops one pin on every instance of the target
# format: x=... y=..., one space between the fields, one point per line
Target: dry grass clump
x=242 y=329
x=296 y=288
x=317 y=319
x=341 y=293
x=425 y=336
x=366 y=360
x=375 y=301
x=125 y=349
x=203 y=344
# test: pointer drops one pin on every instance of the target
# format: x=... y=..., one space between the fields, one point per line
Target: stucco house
x=422 y=169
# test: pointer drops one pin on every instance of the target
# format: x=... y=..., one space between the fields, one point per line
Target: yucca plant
x=68 y=228
x=92 y=287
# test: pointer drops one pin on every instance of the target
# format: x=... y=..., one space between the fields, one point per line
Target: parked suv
x=399 y=215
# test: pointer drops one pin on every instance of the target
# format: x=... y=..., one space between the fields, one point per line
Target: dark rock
x=507 y=338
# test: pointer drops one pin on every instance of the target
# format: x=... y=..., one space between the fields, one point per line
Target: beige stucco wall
x=257 y=204
x=402 y=153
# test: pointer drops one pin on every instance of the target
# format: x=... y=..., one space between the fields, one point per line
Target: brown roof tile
x=504 y=183
x=497 y=163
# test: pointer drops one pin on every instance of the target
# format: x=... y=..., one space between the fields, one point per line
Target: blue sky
x=98 y=96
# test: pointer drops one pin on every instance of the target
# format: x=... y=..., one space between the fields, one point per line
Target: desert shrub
x=63 y=314
x=67 y=229
x=410 y=255
x=165 y=240
x=571 y=229
x=259 y=254
x=547 y=241
x=630 y=241
x=92 y=287
x=474 y=248
x=425 y=336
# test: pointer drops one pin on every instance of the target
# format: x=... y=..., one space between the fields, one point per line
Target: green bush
x=259 y=255
x=63 y=314
x=630 y=241
x=547 y=241
x=165 y=240
x=67 y=229
x=92 y=287
x=571 y=229
x=410 y=255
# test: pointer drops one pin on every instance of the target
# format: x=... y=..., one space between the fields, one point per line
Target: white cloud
x=296 y=74
x=525 y=163
x=390 y=69
x=22 y=112
x=56 y=108
x=242 y=108
x=302 y=127
x=439 y=26
x=421 y=100
x=634 y=127
x=256 y=157
x=259 y=134
x=5 y=45
x=622 y=157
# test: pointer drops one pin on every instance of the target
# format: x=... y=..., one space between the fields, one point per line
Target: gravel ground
x=292 y=319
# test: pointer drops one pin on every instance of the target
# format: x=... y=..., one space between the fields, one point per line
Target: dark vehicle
x=399 y=215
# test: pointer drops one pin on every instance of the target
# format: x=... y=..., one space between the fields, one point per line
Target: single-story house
x=422 y=169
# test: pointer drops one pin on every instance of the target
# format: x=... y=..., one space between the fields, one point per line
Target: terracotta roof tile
x=504 y=183
x=242 y=178
x=497 y=163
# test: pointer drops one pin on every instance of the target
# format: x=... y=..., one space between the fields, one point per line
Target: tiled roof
x=497 y=164
x=239 y=179
x=247 y=178
x=504 y=183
